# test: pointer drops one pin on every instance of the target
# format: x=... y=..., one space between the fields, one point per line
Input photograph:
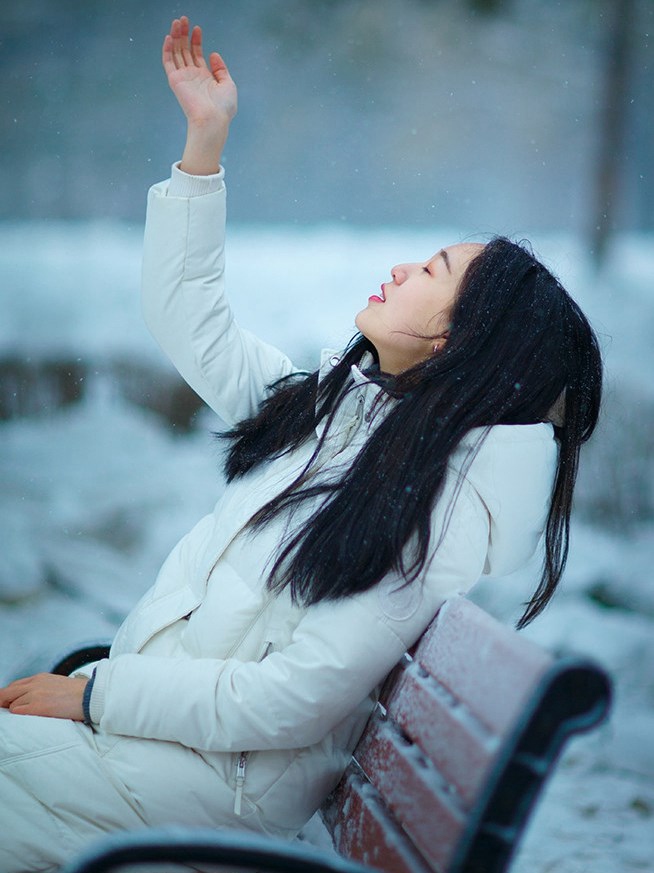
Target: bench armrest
x=73 y=660
x=203 y=846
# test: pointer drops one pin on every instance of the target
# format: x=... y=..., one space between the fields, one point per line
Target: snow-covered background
x=94 y=492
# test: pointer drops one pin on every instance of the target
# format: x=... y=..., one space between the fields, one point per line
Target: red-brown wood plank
x=364 y=831
x=489 y=667
x=422 y=803
x=461 y=749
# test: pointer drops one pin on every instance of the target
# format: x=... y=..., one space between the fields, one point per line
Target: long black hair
x=517 y=344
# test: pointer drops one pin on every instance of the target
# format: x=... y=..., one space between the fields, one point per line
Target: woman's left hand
x=46 y=694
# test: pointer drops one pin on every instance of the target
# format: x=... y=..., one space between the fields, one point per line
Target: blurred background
x=501 y=115
x=369 y=132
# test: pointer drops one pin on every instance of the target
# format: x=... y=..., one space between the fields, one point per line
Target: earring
x=436 y=347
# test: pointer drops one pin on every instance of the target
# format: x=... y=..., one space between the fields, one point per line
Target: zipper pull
x=240 y=782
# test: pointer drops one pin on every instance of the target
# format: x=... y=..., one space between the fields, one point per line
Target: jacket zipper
x=243 y=756
x=240 y=781
x=355 y=422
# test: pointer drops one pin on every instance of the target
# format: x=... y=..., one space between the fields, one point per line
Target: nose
x=399 y=273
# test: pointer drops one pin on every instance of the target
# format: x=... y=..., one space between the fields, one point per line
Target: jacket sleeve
x=186 y=310
x=339 y=652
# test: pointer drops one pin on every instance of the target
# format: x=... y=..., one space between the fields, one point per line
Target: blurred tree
x=620 y=18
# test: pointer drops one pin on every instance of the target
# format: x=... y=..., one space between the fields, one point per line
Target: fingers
x=14 y=691
x=21 y=699
x=176 y=34
x=218 y=67
x=184 y=45
x=196 y=46
x=167 y=55
x=177 y=51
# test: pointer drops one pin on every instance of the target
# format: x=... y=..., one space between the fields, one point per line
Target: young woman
x=440 y=445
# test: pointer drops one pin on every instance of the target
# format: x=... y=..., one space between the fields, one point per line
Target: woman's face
x=411 y=315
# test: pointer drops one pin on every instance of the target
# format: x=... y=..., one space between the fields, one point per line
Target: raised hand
x=206 y=94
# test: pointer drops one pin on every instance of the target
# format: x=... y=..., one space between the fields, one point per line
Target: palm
x=200 y=95
x=203 y=92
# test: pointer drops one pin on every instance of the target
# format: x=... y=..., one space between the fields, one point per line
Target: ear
x=441 y=341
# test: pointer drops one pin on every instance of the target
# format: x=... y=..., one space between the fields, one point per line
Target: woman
x=359 y=498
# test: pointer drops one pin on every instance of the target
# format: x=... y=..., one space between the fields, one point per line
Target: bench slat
x=458 y=745
x=421 y=801
x=464 y=646
x=364 y=831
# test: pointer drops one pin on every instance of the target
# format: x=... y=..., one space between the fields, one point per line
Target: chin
x=360 y=320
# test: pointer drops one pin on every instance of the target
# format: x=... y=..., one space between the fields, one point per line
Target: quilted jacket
x=271 y=695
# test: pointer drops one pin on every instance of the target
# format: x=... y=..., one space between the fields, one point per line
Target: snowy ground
x=93 y=496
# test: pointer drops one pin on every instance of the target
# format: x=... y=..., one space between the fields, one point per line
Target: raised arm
x=184 y=303
x=206 y=94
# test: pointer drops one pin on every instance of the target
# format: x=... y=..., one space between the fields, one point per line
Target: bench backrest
x=452 y=760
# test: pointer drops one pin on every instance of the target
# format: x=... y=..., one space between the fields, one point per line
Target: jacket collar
x=357 y=404
x=329 y=358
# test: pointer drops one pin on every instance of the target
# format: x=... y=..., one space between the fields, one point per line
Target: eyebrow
x=444 y=256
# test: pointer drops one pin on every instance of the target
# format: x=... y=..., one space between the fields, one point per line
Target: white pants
x=62 y=785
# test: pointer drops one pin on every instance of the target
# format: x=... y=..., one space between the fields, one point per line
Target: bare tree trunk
x=619 y=49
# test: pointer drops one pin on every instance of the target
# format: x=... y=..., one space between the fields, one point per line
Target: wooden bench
x=446 y=773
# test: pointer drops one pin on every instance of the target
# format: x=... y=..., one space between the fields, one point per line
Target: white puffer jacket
x=271 y=695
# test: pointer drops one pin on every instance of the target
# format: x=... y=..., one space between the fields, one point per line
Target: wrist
x=203 y=149
x=213 y=122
